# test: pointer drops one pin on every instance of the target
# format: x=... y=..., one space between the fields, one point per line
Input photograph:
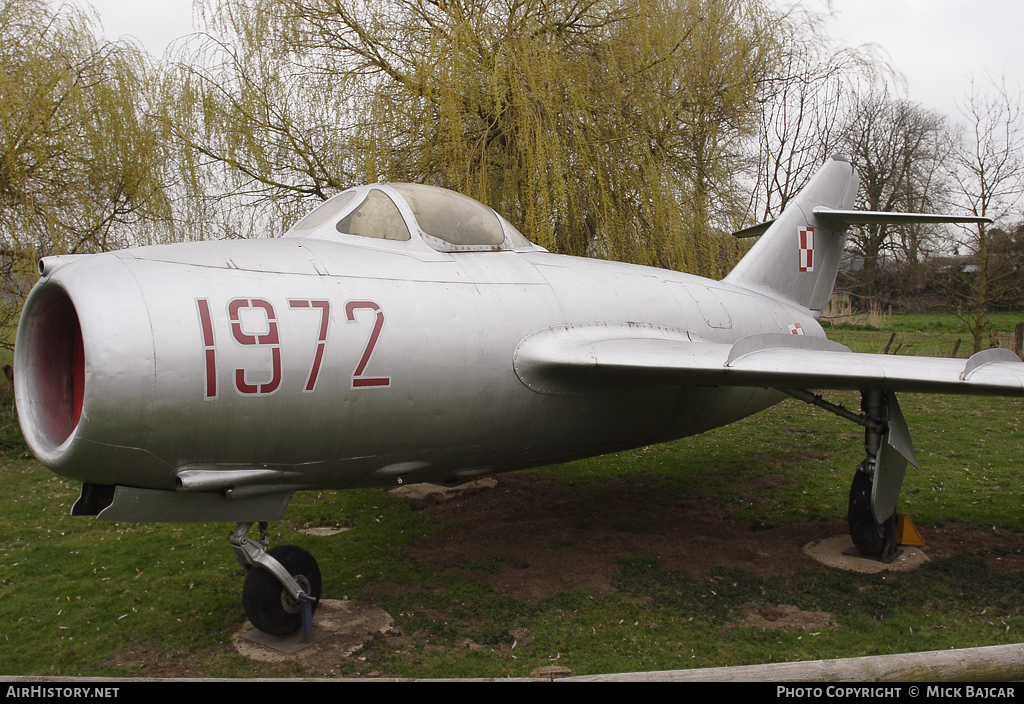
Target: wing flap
x=613 y=359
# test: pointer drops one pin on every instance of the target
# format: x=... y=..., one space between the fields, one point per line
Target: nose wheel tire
x=868 y=535
x=267 y=604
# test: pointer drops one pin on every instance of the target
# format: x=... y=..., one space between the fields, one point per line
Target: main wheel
x=268 y=604
x=868 y=536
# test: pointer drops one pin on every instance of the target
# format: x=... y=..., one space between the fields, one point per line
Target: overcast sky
x=937 y=44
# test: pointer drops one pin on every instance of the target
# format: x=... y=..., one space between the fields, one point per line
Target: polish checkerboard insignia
x=796 y=329
x=806 y=237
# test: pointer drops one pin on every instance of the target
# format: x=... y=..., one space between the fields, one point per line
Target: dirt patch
x=786 y=616
x=549 y=538
x=1003 y=550
x=139 y=660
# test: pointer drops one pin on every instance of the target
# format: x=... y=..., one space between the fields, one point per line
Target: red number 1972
x=271 y=340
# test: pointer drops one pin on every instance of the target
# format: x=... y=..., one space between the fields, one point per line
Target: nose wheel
x=268 y=604
x=282 y=585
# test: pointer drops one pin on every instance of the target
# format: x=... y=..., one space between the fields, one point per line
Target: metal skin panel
x=896 y=452
x=181 y=507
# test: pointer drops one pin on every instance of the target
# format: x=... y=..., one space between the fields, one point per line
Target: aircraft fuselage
x=354 y=364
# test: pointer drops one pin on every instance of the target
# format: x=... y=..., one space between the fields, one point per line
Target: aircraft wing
x=602 y=359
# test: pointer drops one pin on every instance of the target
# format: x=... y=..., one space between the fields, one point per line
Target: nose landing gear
x=282 y=592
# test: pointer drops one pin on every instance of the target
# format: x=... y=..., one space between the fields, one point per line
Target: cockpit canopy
x=445 y=220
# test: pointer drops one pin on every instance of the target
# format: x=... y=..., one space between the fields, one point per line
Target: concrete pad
x=830 y=552
x=340 y=628
x=289 y=645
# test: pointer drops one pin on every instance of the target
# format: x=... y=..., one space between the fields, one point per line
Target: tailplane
x=798 y=255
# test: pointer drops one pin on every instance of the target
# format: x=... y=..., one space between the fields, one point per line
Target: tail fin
x=798 y=256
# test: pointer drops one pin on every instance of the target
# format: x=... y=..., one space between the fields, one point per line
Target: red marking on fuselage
x=206 y=323
x=350 y=308
x=271 y=338
x=325 y=318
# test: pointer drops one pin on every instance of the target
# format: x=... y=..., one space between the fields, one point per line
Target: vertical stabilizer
x=798 y=257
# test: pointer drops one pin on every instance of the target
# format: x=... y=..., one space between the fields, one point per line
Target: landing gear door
x=897 y=451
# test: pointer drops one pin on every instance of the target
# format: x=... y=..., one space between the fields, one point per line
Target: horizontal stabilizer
x=753 y=230
x=874 y=217
x=866 y=217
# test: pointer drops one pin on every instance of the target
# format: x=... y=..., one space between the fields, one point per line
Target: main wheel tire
x=267 y=604
x=868 y=535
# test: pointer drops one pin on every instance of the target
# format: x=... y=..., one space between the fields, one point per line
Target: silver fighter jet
x=403 y=333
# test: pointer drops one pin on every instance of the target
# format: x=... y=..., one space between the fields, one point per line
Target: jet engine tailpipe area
x=50 y=370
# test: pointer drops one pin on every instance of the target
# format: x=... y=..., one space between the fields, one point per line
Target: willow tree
x=81 y=167
x=602 y=127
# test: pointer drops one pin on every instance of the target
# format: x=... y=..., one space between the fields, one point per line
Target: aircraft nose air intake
x=84 y=372
x=53 y=371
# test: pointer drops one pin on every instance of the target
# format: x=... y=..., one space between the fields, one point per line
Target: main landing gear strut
x=282 y=592
x=878 y=479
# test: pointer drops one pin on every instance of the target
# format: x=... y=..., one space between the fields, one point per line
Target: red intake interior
x=55 y=367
